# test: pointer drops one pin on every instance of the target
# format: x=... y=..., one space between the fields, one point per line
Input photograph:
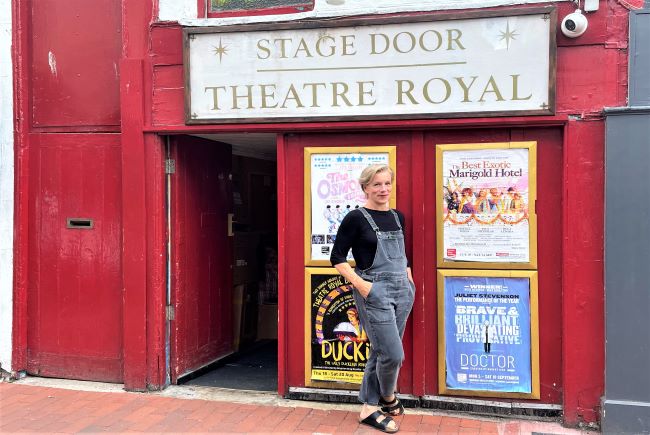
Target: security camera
x=574 y=24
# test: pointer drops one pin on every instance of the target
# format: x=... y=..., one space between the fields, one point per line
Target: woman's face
x=379 y=189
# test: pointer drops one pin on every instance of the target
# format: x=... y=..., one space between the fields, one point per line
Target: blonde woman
x=383 y=291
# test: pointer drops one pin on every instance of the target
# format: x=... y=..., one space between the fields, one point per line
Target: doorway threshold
x=253 y=369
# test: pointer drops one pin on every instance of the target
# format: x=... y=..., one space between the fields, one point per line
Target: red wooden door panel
x=549 y=249
x=416 y=197
x=292 y=265
x=74 y=295
x=75 y=50
x=201 y=254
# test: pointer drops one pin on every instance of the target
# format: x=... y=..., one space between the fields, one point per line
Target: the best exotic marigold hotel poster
x=486 y=198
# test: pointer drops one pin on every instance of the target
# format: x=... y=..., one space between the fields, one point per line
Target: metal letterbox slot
x=80 y=223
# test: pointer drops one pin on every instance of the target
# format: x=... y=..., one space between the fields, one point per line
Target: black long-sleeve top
x=355 y=232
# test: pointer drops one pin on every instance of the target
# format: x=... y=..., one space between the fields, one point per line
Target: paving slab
x=40 y=405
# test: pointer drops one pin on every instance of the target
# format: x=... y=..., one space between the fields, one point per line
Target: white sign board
x=418 y=68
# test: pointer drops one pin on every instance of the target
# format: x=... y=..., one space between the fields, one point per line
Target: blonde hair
x=369 y=172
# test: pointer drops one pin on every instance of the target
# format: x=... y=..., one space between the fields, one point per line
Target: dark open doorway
x=242 y=205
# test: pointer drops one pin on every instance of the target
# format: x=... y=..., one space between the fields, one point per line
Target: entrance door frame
x=200 y=255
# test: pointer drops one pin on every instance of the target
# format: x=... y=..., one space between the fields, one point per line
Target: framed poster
x=485 y=205
x=336 y=345
x=332 y=190
x=488 y=334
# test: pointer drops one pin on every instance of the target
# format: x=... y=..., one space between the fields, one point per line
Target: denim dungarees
x=384 y=312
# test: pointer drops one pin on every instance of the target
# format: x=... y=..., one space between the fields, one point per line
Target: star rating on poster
x=348 y=158
x=322 y=162
x=327 y=161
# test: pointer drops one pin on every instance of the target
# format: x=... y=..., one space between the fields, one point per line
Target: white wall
x=6 y=186
x=185 y=11
x=173 y=10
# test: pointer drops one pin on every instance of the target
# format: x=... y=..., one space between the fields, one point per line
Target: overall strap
x=396 y=218
x=369 y=219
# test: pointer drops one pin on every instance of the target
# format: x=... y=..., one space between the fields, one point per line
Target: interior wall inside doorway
x=255 y=250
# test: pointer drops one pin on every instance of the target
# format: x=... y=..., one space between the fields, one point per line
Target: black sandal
x=382 y=425
x=391 y=407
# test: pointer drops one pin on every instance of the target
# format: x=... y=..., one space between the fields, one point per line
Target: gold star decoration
x=220 y=50
x=508 y=35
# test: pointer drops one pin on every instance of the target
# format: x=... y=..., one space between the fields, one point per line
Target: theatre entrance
x=222 y=272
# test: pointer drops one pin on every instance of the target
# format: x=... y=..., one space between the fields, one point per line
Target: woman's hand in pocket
x=364 y=288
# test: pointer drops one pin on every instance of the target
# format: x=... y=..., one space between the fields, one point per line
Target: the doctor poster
x=489 y=334
x=332 y=191
x=336 y=340
x=486 y=197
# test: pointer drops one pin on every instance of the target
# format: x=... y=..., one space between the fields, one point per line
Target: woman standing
x=383 y=291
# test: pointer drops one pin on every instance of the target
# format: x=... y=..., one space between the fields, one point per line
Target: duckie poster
x=338 y=342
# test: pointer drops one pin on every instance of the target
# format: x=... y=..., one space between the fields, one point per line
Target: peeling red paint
x=583 y=307
x=66 y=88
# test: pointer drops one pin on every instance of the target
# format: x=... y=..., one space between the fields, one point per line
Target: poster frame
x=532 y=203
x=332 y=385
x=391 y=150
x=532 y=276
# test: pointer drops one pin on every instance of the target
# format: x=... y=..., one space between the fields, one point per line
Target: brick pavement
x=37 y=409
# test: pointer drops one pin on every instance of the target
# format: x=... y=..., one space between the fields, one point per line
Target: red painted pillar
x=22 y=109
x=583 y=363
x=143 y=220
x=418 y=264
x=143 y=240
x=134 y=224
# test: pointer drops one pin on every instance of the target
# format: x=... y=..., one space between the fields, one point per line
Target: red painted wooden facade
x=89 y=143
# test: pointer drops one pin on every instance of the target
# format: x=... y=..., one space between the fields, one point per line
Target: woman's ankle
x=367 y=409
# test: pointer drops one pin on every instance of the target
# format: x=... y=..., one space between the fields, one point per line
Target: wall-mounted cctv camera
x=574 y=24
